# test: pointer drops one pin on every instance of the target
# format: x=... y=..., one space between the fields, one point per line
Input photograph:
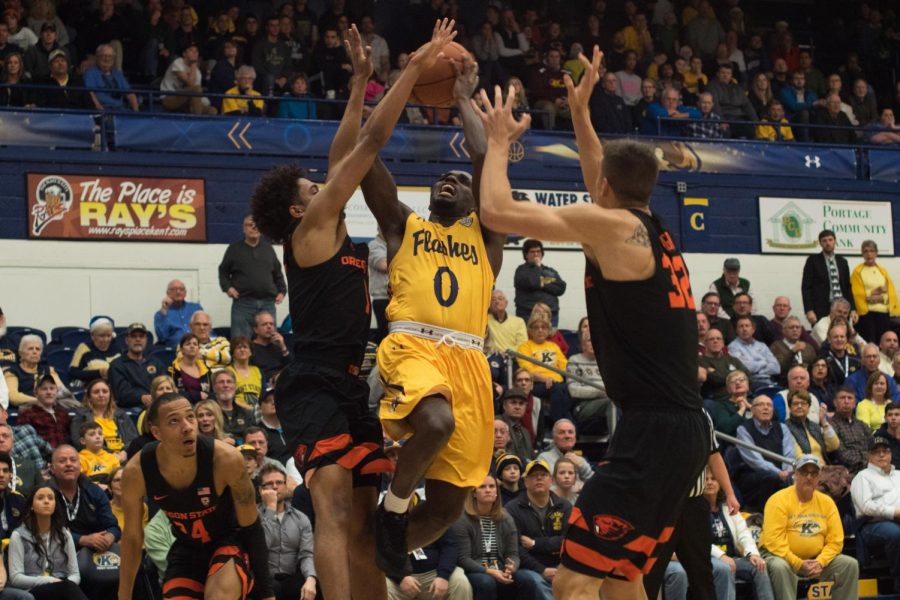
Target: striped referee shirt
x=700 y=485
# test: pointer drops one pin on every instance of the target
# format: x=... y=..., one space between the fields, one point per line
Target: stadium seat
x=76 y=336
x=57 y=332
x=164 y=354
x=60 y=359
x=223 y=331
x=15 y=333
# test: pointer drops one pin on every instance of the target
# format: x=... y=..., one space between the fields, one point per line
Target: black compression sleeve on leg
x=253 y=539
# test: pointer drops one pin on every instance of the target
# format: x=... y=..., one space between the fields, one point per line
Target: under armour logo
x=813 y=160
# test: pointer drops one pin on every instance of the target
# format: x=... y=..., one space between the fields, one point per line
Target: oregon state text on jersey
x=441 y=275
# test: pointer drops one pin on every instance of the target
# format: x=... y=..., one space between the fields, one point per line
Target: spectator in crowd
x=638 y=38
x=872 y=408
x=236 y=418
x=255 y=436
x=742 y=306
x=609 y=113
x=715 y=365
x=332 y=61
x=563 y=446
x=815 y=79
x=884 y=131
x=547 y=383
x=774 y=127
x=781 y=310
x=297 y=103
x=434 y=573
x=536 y=282
x=268 y=421
x=233 y=105
x=501 y=439
x=37 y=57
x=760 y=94
x=840 y=312
x=628 y=83
x=216 y=35
x=22 y=36
x=826 y=277
x=172 y=320
x=61 y=82
x=92 y=359
x=704 y=32
x=839 y=130
x=520 y=443
x=7 y=47
x=184 y=76
x=874 y=294
x=192 y=377
x=488 y=549
x=541 y=518
x=709 y=126
x=639 y=110
x=512 y=44
x=486 y=48
x=380 y=51
x=130 y=374
x=835 y=86
x=876 y=498
x=88 y=516
x=27 y=455
x=46 y=570
x=505 y=331
x=798 y=101
x=758 y=476
x=186 y=33
x=887 y=347
x=224 y=73
x=802 y=536
x=106 y=76
x=8 y=347
x=731 y=102
x=566 y=484
x=855 y=436
x=860 y=379
x=548 y=91
x=97 y=463
x=797 y=381
x=115 y=500
x=210 y=421
x=786 y=50
x=155 y=39
x=12 y=502
x=100 y=407
x=269 y=351
x=728 y=286
x=49 y=420
x=215 y=351
x=14 y=77
x=695 y=80
x=590 y=402
x=837 y=352
x=762 y=366
x=248 y=377
x=508 y=475
x=790 y=350
x=378 y=282
x=657 y=120
x=22 y=377
x=809 y=437
x=862 y=101
x=251 y=275
x=728 y=415
x=543 y=311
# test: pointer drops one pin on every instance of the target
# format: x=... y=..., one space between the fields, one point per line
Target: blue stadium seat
x=76 y=336
x=60 y=359
x=15 y=333
x=223 y=331
x=57 y=332
x=164 y=354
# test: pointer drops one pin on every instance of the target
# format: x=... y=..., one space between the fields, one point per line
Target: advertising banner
x=88 y=207
x=792 y=225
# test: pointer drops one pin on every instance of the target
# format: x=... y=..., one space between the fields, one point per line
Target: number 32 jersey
x=645 y=332
x=441 y=275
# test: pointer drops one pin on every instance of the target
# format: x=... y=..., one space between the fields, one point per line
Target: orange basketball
x=435 y=85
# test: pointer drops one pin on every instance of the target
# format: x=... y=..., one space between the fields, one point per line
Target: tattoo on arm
x=243 y=491
x=640 y=237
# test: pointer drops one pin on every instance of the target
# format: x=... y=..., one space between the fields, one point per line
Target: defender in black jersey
x=321 y=402
x=220 y=547
x=643 y=323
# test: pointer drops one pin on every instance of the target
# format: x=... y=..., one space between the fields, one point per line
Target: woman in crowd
x=99 y=405
x=44 y=11
x=115 y=501
x=521 y=98
x=22 y=377
x=91 y=359
x=542 y=310
x=548 y=385
x=819 y=384
x=14 y=76
x=247 y=378
x=42 y=553
x=729 y=414
x=297 y=103
x=486 y=49
x=874 y=295
x=189 y=371
x=210 y=421
x=231 y=105
x=818 y=439
x=161 y=384
x=23 y=37
x=760 y=94
x=488 y=547
x=871 y=409
x=733 y=543
x=565 y=480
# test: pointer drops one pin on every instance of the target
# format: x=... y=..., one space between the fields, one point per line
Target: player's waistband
x=441 y=335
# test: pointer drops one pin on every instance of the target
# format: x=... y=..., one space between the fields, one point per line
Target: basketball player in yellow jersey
x=436 y=378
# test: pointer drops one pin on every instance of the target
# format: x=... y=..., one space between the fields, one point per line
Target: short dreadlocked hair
x=269 y=204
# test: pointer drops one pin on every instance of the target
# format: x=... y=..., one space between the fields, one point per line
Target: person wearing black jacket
x=826 y=276
x=434 y=573
x=541 y=519
x=536 y=282
x=130 y=375
x=608 y=111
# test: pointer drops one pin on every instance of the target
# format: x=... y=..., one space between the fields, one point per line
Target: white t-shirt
x=171 y=82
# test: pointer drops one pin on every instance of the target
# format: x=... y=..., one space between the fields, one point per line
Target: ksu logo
x=106 y=561
x=813 y=160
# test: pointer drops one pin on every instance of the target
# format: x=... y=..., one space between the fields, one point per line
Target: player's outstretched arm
x=132 y=542
x=348 y=173
x=590 y=150
x=348 y=131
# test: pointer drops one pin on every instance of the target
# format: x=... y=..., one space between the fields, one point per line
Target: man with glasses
x=710 y=305
x=173 y=318
x=668 y=107
x=289 y=536
x=758 y=477
x=802 y=536
x=107 y=77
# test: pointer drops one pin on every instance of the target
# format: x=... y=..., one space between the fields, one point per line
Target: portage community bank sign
x=792 y=225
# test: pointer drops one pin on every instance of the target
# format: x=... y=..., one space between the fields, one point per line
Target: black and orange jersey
x=645 y=332
x=199 y=514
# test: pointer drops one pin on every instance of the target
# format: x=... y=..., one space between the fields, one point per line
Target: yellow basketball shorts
x=413 y=368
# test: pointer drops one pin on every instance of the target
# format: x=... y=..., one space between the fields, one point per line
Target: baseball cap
x=506 y=460
x=732 y=264
x=57 y=54
x=136 y=326
x=514 y=392
x=879 y=441
x=47 y=376
x=537 y=463
x=247 y=449
x=806 y=459
x=48 y=25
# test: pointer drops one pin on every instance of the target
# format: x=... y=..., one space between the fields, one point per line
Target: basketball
x=435 y=85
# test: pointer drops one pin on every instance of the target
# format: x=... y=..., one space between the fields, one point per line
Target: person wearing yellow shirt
x=637 y=36
x=802 y=536
x=775 y=128
x=874 y=294
x=97 y=463
x=550 y=354
x=505 y=331
x=871 y=410
x=245 y=76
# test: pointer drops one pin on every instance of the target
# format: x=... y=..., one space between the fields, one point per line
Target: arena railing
x=722 y=437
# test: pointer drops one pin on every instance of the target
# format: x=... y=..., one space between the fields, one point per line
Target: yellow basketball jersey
x=442 y=276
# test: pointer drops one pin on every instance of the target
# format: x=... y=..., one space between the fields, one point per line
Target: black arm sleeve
x=253 y=539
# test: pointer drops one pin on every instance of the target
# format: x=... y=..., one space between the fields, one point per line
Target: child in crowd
x=97 y=463
x=509 y=472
